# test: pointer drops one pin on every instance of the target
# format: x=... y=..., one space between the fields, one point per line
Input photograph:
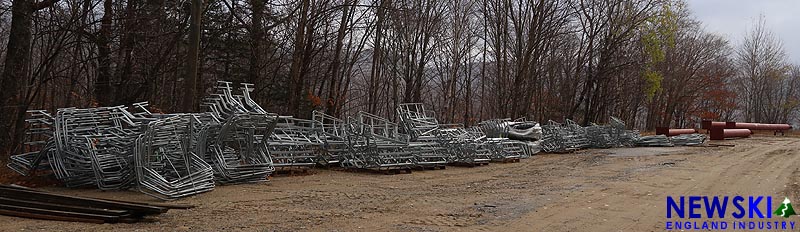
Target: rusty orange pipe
x=758 y=126
x=722 y=133
x=708 y=124
x=673 y=132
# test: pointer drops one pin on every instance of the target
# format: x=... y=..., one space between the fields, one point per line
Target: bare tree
x=16 y=67
x=468 y=60
x=762 y=68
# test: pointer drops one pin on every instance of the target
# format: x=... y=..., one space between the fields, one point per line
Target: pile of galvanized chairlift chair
x=171 y=156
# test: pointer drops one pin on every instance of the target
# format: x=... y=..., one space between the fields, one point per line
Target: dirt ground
x=593 y=190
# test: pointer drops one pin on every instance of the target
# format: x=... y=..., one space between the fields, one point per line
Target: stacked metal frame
x=468 y=147
x=515 y=149
x=419 y=124
x=333 y=133
x=376 y=143
x=141 y=115
x=434 y=144
x=575 y=135
x=237 y=149
x=555 y=138
x=533 y=147
x=570 y=136
x=224 y=103
x=602 y=136
x=294 y=143
x=170 y=156
x=429 y=154
x=446 y=143
x=625 y=137
x=494 y=148
x=167 y=166
x=495 y=133
x=37 y=143
x=94 y=146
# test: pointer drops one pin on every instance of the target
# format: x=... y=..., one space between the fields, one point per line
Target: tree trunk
x=124 y=70
x=296 y=72
x=16 y=69
x=256 y=35
x=102 y=86
x=468 y=94
x=192 y=58
x=333 y=88
x=377 y=57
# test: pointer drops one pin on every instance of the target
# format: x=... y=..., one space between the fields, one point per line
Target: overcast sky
x=733 y=18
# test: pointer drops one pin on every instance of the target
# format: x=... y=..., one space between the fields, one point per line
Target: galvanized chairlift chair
x=435 y=148
x=458 y=145
x=237 y=149
x=611 y=135
x=38 y=142
x=576 y=135
x=94 y=146
x=376 y=143
x=467 y=147
x=224 y=104
x=294 y=143
x=419 y=123
x=333 y=133
x=167 y=166
x=554 y=138
x=626 y=138
x=602 y=136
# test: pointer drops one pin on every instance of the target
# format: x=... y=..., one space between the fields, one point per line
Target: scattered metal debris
x=688 y=139
x=654 y=141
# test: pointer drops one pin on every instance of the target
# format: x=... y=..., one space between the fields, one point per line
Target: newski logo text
x=728 y=213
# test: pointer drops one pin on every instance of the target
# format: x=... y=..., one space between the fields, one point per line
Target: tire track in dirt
x=639 y=203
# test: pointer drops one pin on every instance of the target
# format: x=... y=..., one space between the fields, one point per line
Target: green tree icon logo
x=785 y=210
